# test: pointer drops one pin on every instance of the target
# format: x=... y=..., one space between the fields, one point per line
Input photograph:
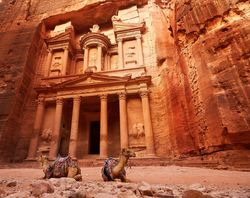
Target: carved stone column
x=149 y=137
x=123 y=120
x=120 y=54
x=104 y=127
x=139 y=50
x=65 y=61
x=48 y=63
x=99 y=58
x=36 y=130
x=74 y=127
x=86 y=58
x=55 y=142
x=108 y=62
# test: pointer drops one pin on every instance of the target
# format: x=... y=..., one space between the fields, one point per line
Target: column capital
x=77 y=98
x=40 y=101
x=144 y=94
x=103 y=96
x=59 y=101
x=122 y=95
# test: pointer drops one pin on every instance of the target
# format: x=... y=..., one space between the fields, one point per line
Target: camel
x=114 y=169
x=61 y=167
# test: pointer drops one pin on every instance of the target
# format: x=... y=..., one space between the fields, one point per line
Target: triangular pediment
x=63 y=37
x=91 y=79
x=121 y=26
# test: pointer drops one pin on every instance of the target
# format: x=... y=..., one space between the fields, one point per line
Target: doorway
x=94 y=137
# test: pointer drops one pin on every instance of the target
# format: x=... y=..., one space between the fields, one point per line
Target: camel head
x=127 y=153
x=47 y=168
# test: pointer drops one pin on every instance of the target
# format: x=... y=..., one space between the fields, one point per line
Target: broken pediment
x=64 y=37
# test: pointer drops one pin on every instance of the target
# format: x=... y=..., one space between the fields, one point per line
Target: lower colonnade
x=77 y=100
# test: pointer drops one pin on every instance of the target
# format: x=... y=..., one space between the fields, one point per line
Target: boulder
x=41 y=187
x=12 y=184
x=145 y=189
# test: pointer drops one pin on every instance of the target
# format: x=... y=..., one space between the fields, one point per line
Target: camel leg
x=78 y=177
x=123 y=178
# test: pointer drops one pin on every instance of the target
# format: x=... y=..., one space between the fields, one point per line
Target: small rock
x=41 y=187
x=2 y=192
x=192 y=194
x=145 y=189
x=197 y=186
x=127 y=194
x=12 y=184
x=106 y=195
x=20 y=195
x=3 y=181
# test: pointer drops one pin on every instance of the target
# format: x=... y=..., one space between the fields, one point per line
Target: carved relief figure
x=92 y=57
x=46 y=135
x=56 y=66
x=137 y=130
x=137 y=135
x=130 y=53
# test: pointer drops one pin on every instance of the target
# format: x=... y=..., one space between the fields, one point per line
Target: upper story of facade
x=119 y=47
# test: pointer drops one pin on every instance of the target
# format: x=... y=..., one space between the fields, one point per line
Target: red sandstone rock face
x=200 y=92
x=212 y=95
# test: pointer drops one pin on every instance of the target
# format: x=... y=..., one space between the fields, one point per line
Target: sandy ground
x=153 y=175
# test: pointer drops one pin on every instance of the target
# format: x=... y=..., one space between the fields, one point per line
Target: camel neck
x=120 y=166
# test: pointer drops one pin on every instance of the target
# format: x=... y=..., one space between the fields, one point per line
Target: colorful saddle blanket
x=59 y=167
x=107 y=169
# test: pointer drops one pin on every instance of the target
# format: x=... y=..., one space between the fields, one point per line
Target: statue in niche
x=46 y=135
x=137 y=130
x=131 y=52
x=95 y=28
x=57 y=64
x=92 y=59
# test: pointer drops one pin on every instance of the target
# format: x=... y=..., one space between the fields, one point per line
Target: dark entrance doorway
x=94 y=137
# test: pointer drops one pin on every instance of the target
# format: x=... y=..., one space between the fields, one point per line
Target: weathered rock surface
x=60 y=188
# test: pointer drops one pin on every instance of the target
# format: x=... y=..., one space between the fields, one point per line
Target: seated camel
x=114 y=169
x=61 y=167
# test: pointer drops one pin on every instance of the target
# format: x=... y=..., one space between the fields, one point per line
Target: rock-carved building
x=93 y=98
x=166 y=78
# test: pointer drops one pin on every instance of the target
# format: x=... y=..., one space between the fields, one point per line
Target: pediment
x=65 y=36
x=121 y=26
x=91 y=80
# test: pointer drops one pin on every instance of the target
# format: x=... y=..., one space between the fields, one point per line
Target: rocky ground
x=171 y=181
